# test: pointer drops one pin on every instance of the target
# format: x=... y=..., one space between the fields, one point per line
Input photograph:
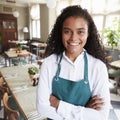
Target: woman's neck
x=72 y=56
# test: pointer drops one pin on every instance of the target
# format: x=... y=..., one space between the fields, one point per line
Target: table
x=22 y=90
x=115 y=64
x=18 y=41
x=38 y=46
x=14 y=54
x=114 y=73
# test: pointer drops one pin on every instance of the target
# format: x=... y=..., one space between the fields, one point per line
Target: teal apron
x=77 y=93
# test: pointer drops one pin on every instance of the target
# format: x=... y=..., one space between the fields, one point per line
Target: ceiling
x=22 y=2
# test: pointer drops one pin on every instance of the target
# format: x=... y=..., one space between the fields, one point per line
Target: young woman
x=73 y=82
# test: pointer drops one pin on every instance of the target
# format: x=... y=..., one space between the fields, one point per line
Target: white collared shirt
x=98 y=80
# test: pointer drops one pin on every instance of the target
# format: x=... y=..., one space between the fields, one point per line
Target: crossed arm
x=95 y=102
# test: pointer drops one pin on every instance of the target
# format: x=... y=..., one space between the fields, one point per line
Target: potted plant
x=33 y=72
x=19 y=48
x=112 y=37
x=112 y=34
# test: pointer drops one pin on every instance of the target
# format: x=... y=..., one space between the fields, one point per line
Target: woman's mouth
x=74 y=43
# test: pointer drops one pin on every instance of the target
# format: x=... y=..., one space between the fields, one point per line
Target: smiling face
x=74 y=35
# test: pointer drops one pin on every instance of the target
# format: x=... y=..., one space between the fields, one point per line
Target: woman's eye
x=66 y=31
x=80 y=32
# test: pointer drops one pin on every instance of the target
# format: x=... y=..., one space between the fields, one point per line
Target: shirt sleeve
x=43 y=95
x=101 y=88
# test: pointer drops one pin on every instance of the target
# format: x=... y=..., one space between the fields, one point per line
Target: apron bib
x=77 y=93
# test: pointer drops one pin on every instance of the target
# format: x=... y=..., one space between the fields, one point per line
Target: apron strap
x=59 y=67
x=85 y=67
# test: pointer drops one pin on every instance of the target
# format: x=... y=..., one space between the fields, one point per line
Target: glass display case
x=8 y=25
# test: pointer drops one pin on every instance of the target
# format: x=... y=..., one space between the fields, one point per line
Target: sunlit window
x=36 y=29
x=104 y=12
x=35 y=21
x=86 y=4
x=98 y=6
x=99 y=22
x=110 y=21
x=61 y=5
x=102 y=6
x=113 y=5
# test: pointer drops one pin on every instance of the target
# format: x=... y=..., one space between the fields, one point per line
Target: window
x=103 y=13
x=99 y=22
x=110 y=21
x=36 y=29
x=35 y=21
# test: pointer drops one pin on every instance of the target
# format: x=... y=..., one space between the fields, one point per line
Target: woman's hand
x=54 y=102
x=95 y=103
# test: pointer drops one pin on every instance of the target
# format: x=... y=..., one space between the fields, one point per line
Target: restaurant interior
x=24 y=29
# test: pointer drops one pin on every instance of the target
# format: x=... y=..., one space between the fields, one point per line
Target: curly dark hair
x=94 y=43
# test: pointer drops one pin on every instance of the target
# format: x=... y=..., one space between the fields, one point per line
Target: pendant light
x=16 y=13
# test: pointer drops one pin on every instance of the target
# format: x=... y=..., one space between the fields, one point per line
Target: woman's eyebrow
x=81 y=28
x=67 y=28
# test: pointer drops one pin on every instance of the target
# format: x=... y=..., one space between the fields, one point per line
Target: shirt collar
x=80 y=57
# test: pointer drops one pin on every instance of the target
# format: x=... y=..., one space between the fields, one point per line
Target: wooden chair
x=113 y=73
x=41 y=53
x=9 y=113
x=39 y=62
x=109 y=58
x=3 y=89
x=1 y=81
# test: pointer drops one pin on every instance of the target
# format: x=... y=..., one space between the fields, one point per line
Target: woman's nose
x=73 y=36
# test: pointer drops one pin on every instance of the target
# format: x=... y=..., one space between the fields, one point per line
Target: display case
x=8 y=29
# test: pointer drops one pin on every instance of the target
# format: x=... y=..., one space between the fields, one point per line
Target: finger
x=94 y=98
x=96 y=103
x=97 y=106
